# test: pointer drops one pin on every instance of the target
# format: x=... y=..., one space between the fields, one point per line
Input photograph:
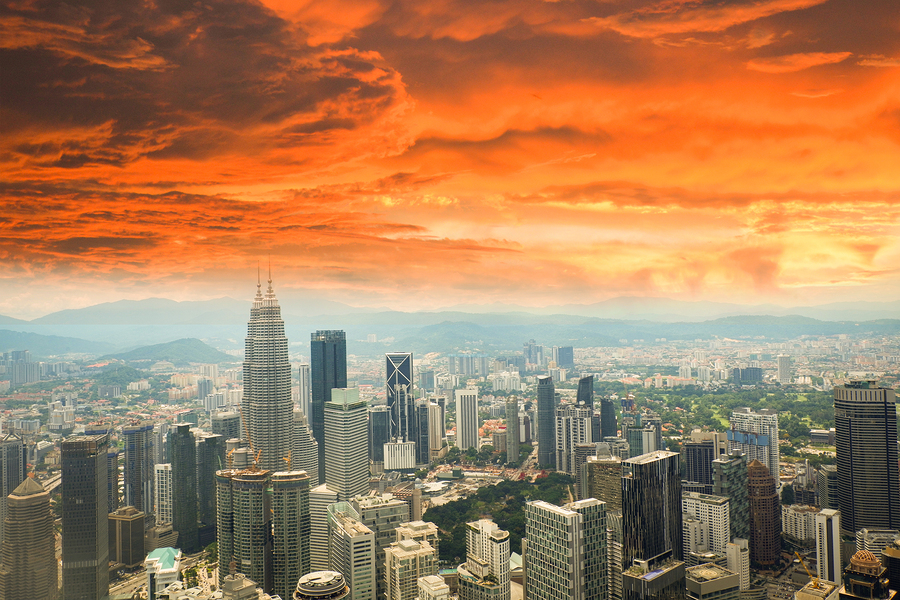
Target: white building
x=399 y=456
x=163 y=493
x=828 y=545
x=304 y=388
x=485 y=574
x=573 y=426
x=405 y=562
x=799 y=521
x=433 y=587
x=737 y=553
x=346 y=433
x=319 y=499
x=467 y=419
x=784 y=369
x=163 y=567
x=755 y=434
x=351 y=550
x=715 y=513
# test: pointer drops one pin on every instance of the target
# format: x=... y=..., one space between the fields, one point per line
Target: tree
x=787 y=495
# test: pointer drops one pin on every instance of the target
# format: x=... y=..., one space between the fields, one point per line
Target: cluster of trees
x=504 y=503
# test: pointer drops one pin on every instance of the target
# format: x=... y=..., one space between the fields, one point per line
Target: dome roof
x=863 y=557
x=865 y=562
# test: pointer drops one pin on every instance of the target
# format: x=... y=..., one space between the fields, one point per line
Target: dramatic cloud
x=796 y=62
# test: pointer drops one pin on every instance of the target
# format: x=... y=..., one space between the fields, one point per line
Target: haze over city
x=420 y=155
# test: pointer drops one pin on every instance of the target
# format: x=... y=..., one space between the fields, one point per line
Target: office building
x=737 y=553
x=827 y=486
x=564 y=550
x=865 y=579
x=467 y=422
x=244 y=525
x=651 y=505
x=267 y=408
x=210 y=458
x=875 y=540
x=382 y=514
x=85 y=522
x=712 y=582
x=765 y=515
x=512 y=429
x=828 y=545
x=714 y=512
x=112 y=480
x=126 y=537
x=585 y=395
x=784 y=369
x=379 y=435
x=346 y=422
x=422 y=432
x=573 y=427
x=615 y=544
x=163 y=567
x=755 y=434
x=290 y=530
x=602 y=479
x=565 y=357
x=328 y=370
x=581 y=454
x=12 y=471
x=609 y=426
x=322 y=585
x=890 y=556
x=485 y=574
x=351 y=550
x=163 y=493
x=400 y=394
x=865 y=422
x=227 y=424
x=320 y=498
x=433 y=587
x=404 y=563
x=139 y=461
x=436 y=431
x=304 y=388
x=305 y=449
x=730 y=481
x=183 y=454
x=698 y=459
x=28 y=567
x=546 y=426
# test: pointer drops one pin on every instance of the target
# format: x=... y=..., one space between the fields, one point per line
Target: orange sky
x=423 y=153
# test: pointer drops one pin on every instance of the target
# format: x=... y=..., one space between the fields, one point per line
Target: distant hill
x=10 y=320
x=179 y=352
x=49 y=345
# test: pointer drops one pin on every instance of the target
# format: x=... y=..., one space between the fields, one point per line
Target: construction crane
x=256 y=460
x=287 y=459
x=815 y=580
x=246 y=427
x=230 y=458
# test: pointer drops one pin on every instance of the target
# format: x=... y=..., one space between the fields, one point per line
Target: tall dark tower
x=585 y=395
x=546 y=409
x=139 y=466
x=267 y=405
x=865 y=423
x=28 y=553
x=765 y=515
x=85 y=522
x=183 y=455
x=400 y=396
x=12 y=471
x=328 y=370
x=609 y=426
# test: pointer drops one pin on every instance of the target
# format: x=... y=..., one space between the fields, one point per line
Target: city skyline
x=741 y=152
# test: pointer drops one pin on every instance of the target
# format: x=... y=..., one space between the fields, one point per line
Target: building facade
x=467 y=422
x=28 y=553
x=546 y=426
x=346 y=424
x=328 y=370
x=755 y=434
x=765 y=515
x=485 y=574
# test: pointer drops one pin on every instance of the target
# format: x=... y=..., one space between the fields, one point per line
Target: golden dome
x=865 y=561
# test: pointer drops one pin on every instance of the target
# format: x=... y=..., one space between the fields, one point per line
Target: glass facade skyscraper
x=400 y=395
x=546 y=426
x=328 y=370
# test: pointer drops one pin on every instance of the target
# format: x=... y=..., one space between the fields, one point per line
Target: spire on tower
x=270 y=290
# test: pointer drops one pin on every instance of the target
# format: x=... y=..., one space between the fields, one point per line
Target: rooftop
x=165 y=557
x=707 y=572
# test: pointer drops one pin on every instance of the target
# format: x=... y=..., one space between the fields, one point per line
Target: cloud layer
x=425 y=153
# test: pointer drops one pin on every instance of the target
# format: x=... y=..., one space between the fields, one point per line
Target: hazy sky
x=423 y=153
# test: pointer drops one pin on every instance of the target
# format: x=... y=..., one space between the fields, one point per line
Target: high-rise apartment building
x=12 y=471
x=183 y=454
x=755 y=434
x=573 y=427
x=227 y=424
x=730 y=480
x=244 y=523
x=784 y=369
x=85 y=522
x=865 y=422
x=351 y=550
x=765 y=515
x=404 y=563
x=305 y=449
x=828 y=545
x=485 y=574
x=267 y=406
x=400 y=394
x=467 y=419
x=347 y=467
x=28 y=553
x=290 y=530
x=320 y=498
x=420 y=531
x=163 y=493
x=139 y=461
x=714 y=513
x=328 y=370
x=546 y=426
x=564 y=550
x=737 y=554
x=382 y=514
x=512 y=429
x=433 y=587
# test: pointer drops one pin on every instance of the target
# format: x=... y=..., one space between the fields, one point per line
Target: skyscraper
x=328 y=370
x=244 y=525
x=85 y=522
x=12 y=471
x=755 y=434
x=304 y=388
x=828 y=545
x=573 y=427
x=139 y=461
x=546 y=414
x=210 y=458
x=305 y=449
x=351 y=550
x=422 y=433
x=698 y=458
x=162 y=491
x=379 y=434
x=183 y=454
x=651 y=505
x=436 y=431
x=564 y=550
x=347 y=467
x=485 y=574
x=713 y=512
x=609 y=426
x=865 y=422
x=382 y=514
x=290 y=530
x=404 y=562
x=730 y=480
x=784 y=369
x=267 y=406
x=467 y=419
x=585 y=394
x=512 y=429
x=28 y=554
x=400 y=395
x=765 y=515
